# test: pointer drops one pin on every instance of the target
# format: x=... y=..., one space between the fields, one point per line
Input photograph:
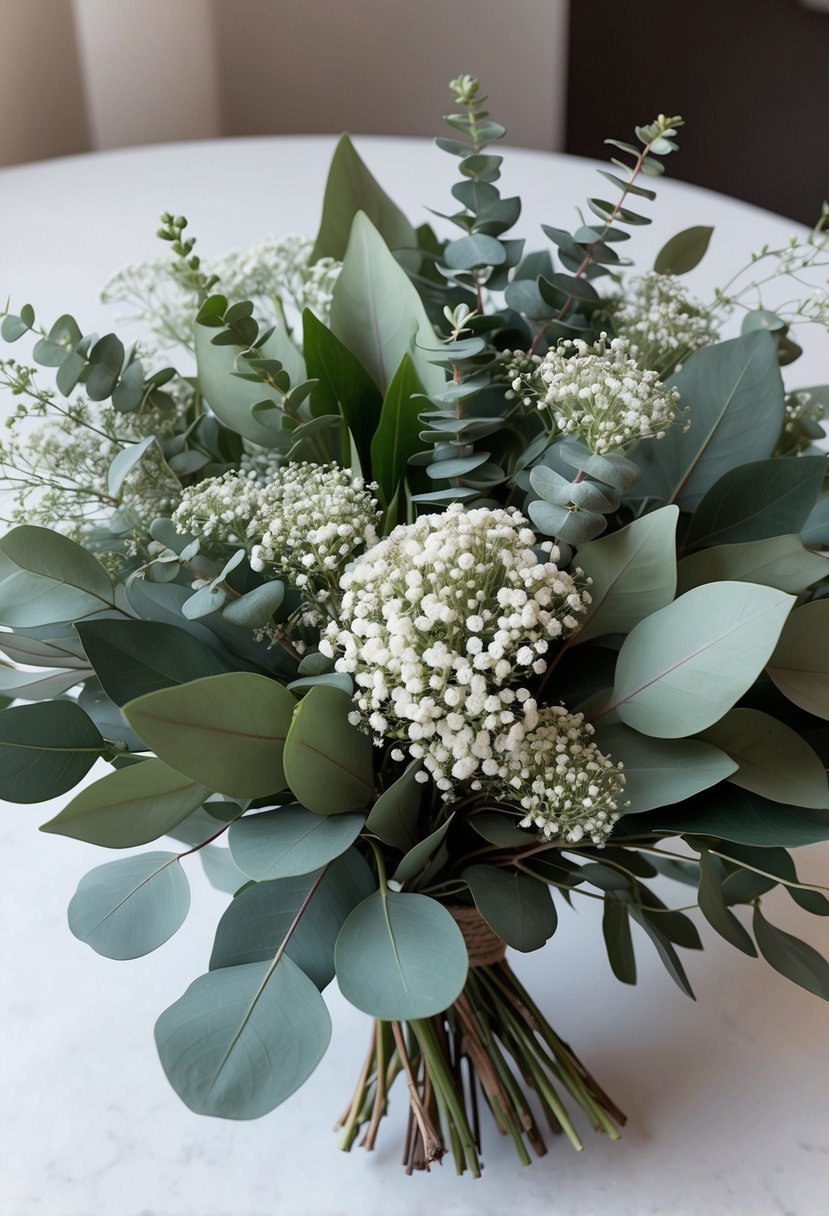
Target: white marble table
x=727 y=1099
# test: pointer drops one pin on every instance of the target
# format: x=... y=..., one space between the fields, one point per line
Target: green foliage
x=46 y=579
x=661 y=772
x=393 y=817
x=774 y=761
x=45 y=750
x=226 y=731
x=132 y=658
x=343 y=386
x=290 y=841
x=242 y=1040
x=794 y=959
x=685 y=666
x=800 y=663
x=735 y=814
x=517 y=907
x=350 y=189
x=130 y=907
x=776 y=561
x=736 y=401
x=396 y=437
x=684 y=251
x=129 y=807
x=400 y=956
x=327 y=760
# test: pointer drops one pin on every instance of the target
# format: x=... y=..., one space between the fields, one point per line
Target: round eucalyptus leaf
x=242 y=1040
x=400 y=956
x=46 y=578
x=289 y=841
x=518 y=908
x=129 y=807
x=328 y=762
x=255 y=609
x=226 y=731
x=686 y=665
x=253 y=927
x=130 y=907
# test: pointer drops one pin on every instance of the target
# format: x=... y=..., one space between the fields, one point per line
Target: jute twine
x=483 y=946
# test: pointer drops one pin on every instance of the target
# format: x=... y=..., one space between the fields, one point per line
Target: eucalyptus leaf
x=800 y=663
x=328 y=762
x=633 y=572
x=777 y=561
x=257 y=921
x=397 y=436
x=45 y=750
x=38 y=685
x=242 y=1040
x=417 y=858
x=225 y=731
x=377 y=313
x=394 y=815
x=714 y=908
x=774 y=760
x=130 y=907
x=738 y=814
x=684 y=251
x=131 y=658
x=46 y=578
x=289 y=841
x=617 y=940
x=686 y=665
x=661 y=772
x=125 y=462
x=343 y=385
x=518 y=908
x=129 y=807
x=255 y=609
x=794 y=959
x=400 y=956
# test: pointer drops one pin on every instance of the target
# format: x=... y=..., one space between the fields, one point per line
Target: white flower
x=601 y=395
x=435 y=643
x=662 y=322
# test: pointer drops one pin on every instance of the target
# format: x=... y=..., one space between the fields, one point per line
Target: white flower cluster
x=307 y=522
x=662 y=322
x=601 y=395
x=559 y=778
x=512 y=366
x=275 y=274
x=437 y=624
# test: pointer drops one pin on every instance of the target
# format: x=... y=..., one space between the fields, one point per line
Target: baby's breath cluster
x=559 y=778
x=600 y=394
x=438 y=624
x=306 y=523
x=662 y=322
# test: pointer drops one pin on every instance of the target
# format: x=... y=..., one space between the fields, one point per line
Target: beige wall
x=41 y=97
x=381 y=66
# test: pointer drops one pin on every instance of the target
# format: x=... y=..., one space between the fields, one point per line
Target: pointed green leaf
x=617 y=940
x=397 y=437
x=125 y=462
x=328 y=762
x=661 y=772
x=46 y=578
x=395 y=813
x=518 y=908
x=800 y=663
x=343 y=385
x=713 y=906
x=793 y=958
x=774 y=761
x=684 y=251
x=777 y=561
x=226 y=731
x=131 y=658
x=45 y=750
x=737 y=814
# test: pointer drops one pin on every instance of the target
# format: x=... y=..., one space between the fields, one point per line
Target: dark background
x=750 y=78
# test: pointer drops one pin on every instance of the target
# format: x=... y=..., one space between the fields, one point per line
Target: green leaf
x=129 y=807
x=132 y=658
x=739 y=815
x=220 y=869
x=496 y=827
x=227 y=731
x=328 y=762
x=45 y=750
x=125 y=462
x=400 y=956
x=713 y=906
x=377 y=313
x=253 y=927
x=777 y=561
x=130 y=907
x=774 y=761
x=418 y=857
x=667 y=954
x=290 y=841
x=684 y=251
x=242 y=1040
x=343 y=385
x=800 y=664
x=736 y=397
x=397 y=437
x=38 y=685
x=46 y=578
x=793 y=958
x=660 y=772
x=255 y=609
x=685 y=666
x=395 y=813
x=231 y=398
x=105 y=362
x=518 y=908
x=617 y=940
x=350 y=189
x=473 y=251
x=764 y=499
x=633 y=573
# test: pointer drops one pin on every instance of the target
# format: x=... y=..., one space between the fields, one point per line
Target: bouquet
x=448 y=584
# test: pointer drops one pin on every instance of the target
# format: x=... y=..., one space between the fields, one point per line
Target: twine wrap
x=483 y=946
